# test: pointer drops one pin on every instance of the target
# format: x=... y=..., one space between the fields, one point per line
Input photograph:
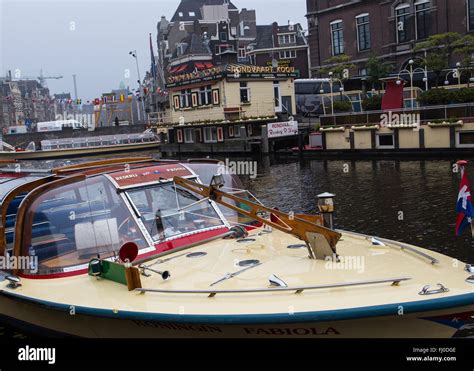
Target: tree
x=376 y=70
x=438 y=50
x=338 y=66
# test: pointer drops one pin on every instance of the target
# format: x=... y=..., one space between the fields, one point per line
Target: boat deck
x=361 y=262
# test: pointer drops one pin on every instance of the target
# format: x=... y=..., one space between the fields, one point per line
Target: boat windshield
x=169 y=211
x=67 y=226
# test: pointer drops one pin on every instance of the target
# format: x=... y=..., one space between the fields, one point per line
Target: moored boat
x=87 y=146
x=146 y=248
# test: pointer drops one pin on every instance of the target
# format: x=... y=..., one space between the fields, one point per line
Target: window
x=169 y=211
x=210 y=135
x=287 y=54
x=188 y=136
x=470 y=5
x=287 y=39
x=385 y=141
x=362 y=71
x=180 y=14
x=237 y=131
x=192 y=14
x=277 y=96
x=423 y=20
x=205 y=96
x=71 y=224
x=185 y=98
x=402 y=14
x=223 y=36
x=363 y=32
x=242 y=53
x=337 y=38
x=465 y=139
x=244 y=93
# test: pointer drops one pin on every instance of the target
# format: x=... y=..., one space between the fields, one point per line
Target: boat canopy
x=79 y=215
x=97 y=141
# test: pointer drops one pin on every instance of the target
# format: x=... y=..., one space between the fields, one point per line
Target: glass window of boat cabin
x=169 y=211
x=232 y=184
x=69 y=225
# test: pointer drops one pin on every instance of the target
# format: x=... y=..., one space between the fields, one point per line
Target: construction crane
x=41 y=78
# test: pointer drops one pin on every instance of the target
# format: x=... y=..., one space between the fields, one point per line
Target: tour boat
x=139 y=248
x=86 y=146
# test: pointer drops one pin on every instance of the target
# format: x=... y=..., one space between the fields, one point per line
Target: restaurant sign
x=242 y=72
x=215 y=73
x=282 y=129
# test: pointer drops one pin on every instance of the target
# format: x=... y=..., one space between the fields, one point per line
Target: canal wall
x=22 y=140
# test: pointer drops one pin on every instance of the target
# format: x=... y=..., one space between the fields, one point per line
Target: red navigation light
x=128 y=252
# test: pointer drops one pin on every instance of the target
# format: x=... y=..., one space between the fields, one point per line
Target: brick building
x=285 y=45
x=387 y=29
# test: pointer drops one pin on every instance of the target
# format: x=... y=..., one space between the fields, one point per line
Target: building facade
x=231 y=92
x=285 y=45
x=386 y=29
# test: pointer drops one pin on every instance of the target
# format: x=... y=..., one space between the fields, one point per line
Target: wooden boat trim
x=6 y=202
x=301 y=228
x=391 y=243
x=21 y=233
x=101 y=163
x=297 y=290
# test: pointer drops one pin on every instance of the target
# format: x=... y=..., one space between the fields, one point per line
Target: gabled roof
x=188 y=6
x=265 y=40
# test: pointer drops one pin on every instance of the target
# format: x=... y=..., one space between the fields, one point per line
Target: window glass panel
x=363 y=32
x=70 y=225
x=423 y=20
x=471 y=15
x=337 y=38
x=169 y=211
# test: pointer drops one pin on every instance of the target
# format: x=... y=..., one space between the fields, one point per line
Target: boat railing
x=400 y=245
x=297 y=290
x=104 y=140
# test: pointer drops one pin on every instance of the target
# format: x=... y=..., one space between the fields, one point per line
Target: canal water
x=409 y=201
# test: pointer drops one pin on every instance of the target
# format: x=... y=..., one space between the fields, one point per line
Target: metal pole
x=140 y=83
x=75 y=87
x=411 y=83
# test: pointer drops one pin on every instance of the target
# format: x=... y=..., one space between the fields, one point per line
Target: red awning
x=393 y=97
x=200 y=66
x=182 y=68
x=209 y=65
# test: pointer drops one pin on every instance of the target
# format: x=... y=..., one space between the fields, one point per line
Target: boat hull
x=34 y=316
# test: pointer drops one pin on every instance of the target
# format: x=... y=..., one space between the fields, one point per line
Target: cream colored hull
x=407 y=326
x=76 y=152
x=85 y=306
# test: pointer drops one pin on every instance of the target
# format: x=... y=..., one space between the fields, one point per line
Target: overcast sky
x=92 y=39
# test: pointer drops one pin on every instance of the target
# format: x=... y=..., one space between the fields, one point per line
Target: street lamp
x=134 y=54
x=456 y=72
x=411 y=73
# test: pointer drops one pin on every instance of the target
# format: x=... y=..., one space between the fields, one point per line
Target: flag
x=153 y=62
x=464 y=206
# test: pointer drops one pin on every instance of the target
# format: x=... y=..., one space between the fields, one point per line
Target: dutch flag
x=464 y=205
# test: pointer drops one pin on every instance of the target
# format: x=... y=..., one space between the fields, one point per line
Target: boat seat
x=95 y=235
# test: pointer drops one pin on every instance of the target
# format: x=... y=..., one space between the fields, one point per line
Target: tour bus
x=48 y=126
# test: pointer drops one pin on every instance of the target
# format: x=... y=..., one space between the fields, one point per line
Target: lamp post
x=456 y=72
x=331 y=85
x=411 y=72
x=134 y=54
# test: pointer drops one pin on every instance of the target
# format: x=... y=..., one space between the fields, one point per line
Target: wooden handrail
x=101 y=163
x=321 y=241
x=9 y=197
